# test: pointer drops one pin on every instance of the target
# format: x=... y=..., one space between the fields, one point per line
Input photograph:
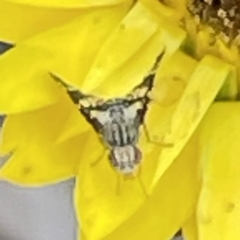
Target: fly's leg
x=119 y=176
x=136 y=176
x=140 y=180
x=155 y=141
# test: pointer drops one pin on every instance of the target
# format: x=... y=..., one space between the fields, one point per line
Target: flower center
x=222 y=15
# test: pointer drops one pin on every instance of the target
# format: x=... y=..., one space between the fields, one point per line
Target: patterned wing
x=139 y=94
x=5 y=46
x=87 y=104
x=147 y=84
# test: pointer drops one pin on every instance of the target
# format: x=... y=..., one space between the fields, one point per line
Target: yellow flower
x=107 y=50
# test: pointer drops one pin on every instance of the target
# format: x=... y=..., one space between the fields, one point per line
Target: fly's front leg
x=136 y=177
x=151 y=140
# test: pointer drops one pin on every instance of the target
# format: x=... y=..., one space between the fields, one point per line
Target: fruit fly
x=117 y=120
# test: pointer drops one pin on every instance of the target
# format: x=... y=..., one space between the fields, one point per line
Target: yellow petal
x=200 y=92
x=161 y=10
x=229 y=90
x=25 y=86
x=168 y=19
x=31 y=137
x=122 y=59
x=74 y=125
x=68 y=3
x=190 y=229
x=180 y=5
x=104 y=211
x=23 y=19
x=138 y=24
x=25 y=68
x=170 y=85
x=218 y=210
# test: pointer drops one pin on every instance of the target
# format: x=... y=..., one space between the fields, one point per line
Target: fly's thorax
x=125 y=159
x=120 y=126
x=119 y=134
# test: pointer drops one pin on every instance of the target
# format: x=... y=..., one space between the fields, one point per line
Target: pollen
x=222 y=15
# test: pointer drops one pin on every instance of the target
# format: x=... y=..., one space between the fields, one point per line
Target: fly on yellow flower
x=69 y=81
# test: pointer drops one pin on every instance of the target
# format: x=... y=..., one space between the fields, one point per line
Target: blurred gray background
x=37 y=214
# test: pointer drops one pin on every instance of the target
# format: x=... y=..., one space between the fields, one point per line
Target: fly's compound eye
x=138 y=155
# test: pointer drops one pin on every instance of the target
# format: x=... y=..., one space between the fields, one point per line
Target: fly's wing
x=139 y=94
x=148 y=81
x=87 y=104
x=4 y=46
